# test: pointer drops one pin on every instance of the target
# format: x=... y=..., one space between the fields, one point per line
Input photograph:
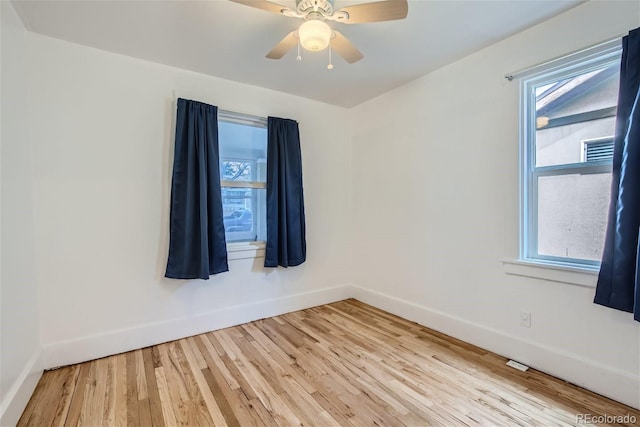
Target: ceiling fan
x=315 y=34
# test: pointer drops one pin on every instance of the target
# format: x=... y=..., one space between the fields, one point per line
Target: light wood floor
x=340 y=364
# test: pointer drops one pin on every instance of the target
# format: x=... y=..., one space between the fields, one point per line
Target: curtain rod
x=235 y=116
x=609 y=44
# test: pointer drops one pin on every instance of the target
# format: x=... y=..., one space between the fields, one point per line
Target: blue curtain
x=618 y=282
x=286 y=244
x=197 y=246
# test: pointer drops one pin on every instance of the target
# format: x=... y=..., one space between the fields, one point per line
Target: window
x=567 y=123
x=243 y=162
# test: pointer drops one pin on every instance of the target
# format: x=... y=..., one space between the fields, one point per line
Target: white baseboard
x=605 y=380
x=119 y=341
x=18 y=396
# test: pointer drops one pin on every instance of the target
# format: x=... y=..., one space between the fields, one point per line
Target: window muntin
x=243 y=153
x=566 y=181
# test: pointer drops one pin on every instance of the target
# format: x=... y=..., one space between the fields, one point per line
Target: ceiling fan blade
x=388 y=10
x=285 y=45
x=263 y=5
x=344 y=48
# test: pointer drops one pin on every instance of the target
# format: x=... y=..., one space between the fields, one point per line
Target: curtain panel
x=618 y=282
x=197 y=246
x=286 y=242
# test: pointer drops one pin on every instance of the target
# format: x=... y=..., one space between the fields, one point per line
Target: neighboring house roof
x=565 y=91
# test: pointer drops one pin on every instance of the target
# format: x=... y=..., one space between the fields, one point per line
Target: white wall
x=412 y=196
x=103 y=138
x=435 y=210
x=20 y=337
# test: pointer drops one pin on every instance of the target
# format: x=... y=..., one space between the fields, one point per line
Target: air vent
x=598 y=150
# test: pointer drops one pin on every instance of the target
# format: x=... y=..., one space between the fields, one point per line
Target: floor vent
x=517 y=365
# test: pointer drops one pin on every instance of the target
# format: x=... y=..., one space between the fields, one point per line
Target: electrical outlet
x=525 y=319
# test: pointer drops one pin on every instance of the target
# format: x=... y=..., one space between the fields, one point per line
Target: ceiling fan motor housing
x=324 y=7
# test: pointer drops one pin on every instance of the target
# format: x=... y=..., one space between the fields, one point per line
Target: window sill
x=573 y=275
x=245 y=250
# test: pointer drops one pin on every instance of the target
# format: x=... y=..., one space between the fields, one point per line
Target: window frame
x=249 y=248
x=581 y=62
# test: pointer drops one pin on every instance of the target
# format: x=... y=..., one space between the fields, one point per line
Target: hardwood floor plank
x=50 y=404
x=251 y=375
x=221 y=400
x=271 y=374
x=246 y=413
x=205 y=413
x=232 y=402
x=68 y=389
x=230 y=366
x=286 y=346
x=341 y=416
x=109 y=412
x=133 y=419
x=341 y=364
x=365 y=410
x=185 y=407
x=156 y=357
x=214 y=361
x=285 y=369
x=94 y=394
x=155 y=404
x=165 y=397
x=193 y=353
x=141 y=377
x=267 y=344
x=306 y=406
x=265 y=416
x=203 y=389
x=178 y=398
x=121 y=390
x=73 y=417
x=144 y=412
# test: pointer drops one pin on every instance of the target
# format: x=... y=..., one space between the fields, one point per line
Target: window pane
x=572 y=215
x=243 y=153
x=572 y=110
x=244 y=211
x=237 y=170
x=565 y=144
x=243 y=149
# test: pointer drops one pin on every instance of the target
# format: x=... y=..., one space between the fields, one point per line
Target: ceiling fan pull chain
x=330 y=66
x=299 y=58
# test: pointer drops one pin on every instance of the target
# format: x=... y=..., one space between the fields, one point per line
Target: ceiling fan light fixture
x=314 y=35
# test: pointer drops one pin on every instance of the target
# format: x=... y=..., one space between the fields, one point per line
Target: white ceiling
x=229 y=40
